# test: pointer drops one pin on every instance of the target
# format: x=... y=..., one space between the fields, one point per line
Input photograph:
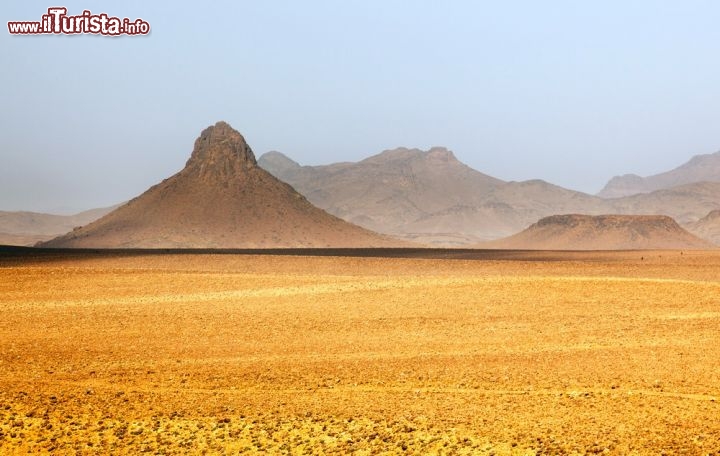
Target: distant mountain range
x=701 y=168
x=431 y=197
x=428 y=197
x=28 y=228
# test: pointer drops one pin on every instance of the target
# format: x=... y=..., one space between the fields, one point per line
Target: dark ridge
x=42 y=253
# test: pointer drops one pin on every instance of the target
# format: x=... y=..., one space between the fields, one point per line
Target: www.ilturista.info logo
x=57 y=22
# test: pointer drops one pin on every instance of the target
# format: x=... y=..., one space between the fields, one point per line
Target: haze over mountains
x=28 y=228
x=701 y=168
x=431 y=197
x=224 y=199
x=391 y=192
x=707 y=227
x=221 y=199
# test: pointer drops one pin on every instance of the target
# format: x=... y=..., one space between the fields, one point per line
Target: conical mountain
x=221 y=199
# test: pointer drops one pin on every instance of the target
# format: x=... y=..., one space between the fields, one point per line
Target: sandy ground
x=542 y=353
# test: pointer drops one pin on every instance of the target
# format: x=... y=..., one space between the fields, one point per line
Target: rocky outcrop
x=221 y=199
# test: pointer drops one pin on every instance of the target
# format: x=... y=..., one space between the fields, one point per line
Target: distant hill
x=221 y=199
x=24 y=240
x=602 y=232
x=28 y=228
x=701 y=168
x=707 y=228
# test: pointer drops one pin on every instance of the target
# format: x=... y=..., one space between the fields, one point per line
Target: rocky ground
x=550 y=353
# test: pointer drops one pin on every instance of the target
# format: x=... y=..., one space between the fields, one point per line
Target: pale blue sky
x=566 y=91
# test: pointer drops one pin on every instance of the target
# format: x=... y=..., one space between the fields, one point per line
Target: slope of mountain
x=601 y=232
x=221 y=199
x=390 y=191
x=28 y=228
x=707 y=228
x=700 y=168
x=506 y=209
x=684 y=203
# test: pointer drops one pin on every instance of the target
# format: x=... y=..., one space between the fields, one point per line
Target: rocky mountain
x=701 y=168
x=28 y=228
x=602 y=232
x=707 y=228
x=221 y=199
x=431 y=197
x=397 y=192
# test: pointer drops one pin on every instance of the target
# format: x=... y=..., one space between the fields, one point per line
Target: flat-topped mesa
x=220 y=150
x=609 y=221
x=602 y=232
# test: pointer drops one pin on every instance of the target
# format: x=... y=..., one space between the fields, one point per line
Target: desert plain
x=490 y=353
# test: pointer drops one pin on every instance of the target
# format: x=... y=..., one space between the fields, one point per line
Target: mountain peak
x=700 y=168
x=441 y=154
x=274 y=158
x=220 y=148
x=701 y=159
x=221 y=199
x=435 y=154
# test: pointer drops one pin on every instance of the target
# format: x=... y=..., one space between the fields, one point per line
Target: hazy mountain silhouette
x=685 y=203
x=700 y=168
x=423 y=196
x=431 y=197
x=393 y=192
x=707 y=227
x=28 y=228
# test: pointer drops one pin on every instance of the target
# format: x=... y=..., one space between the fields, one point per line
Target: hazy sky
x=572 y=92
